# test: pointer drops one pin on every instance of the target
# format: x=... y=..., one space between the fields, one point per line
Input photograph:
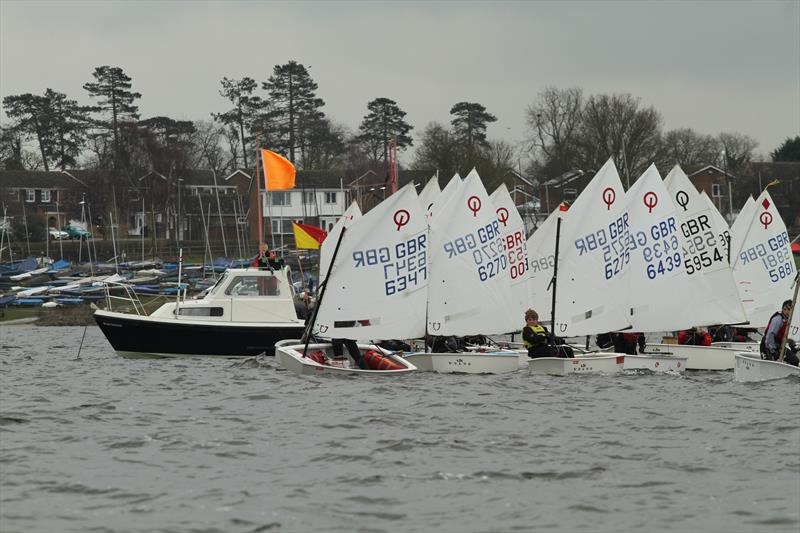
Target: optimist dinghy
x=318 y=358
x=588 y=363
x=750 y=368
x=375 y=287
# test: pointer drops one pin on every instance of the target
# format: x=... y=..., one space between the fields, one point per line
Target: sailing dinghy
x=766 y=272
x=470 y=292
x=711 y=296
x=590 y=291
x=656 y=272
x=375 y=288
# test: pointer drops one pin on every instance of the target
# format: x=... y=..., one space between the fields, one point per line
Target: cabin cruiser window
x=214 y=288
x=254 y=286
x=200 y=311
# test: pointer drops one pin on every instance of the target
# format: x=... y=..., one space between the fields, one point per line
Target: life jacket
x=538 y=329
x=700 y=338
x=317 y=356
x=375 y=360
x=781 y=331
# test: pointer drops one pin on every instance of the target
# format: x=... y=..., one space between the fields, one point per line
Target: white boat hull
x=592 y=363
x=289 y=355
x=697 y=357
x=466 y=362
x=750 y=368
x=740 y=346
x=660 y=364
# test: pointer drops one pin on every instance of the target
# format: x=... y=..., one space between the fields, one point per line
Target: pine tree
x=113 y=86
x=469 y=124
x=788 y=151
x=293 y=106
x=33 y=117
x=245 y=110
x=383 y=123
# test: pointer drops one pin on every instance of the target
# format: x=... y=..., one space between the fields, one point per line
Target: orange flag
x=279 y=172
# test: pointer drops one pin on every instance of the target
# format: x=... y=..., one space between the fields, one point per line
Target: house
x=53 y=197
x=563 y=188
x=717 y=184
x=786 y=192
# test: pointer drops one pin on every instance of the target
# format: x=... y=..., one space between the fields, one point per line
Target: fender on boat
x=377 y=361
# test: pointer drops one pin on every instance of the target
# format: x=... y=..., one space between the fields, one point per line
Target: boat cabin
x=241 y=295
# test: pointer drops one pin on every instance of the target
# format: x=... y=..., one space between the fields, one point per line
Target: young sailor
x=773 y=336
x=535 y=338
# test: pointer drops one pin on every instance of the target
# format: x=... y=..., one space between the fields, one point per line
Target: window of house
x=254 y=286
x=330 y=197
x=13 y=194
x=46 y=195
x=716 y=189
x=281 y=226
x=308 y=198
x=279 y=198
x=30 y=195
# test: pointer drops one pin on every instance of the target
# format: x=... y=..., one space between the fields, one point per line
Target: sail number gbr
x=775 y=257
x=404 y=265
x=614 y=243
x=487 y=248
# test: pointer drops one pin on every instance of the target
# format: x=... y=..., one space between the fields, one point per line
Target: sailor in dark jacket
x=535 y=337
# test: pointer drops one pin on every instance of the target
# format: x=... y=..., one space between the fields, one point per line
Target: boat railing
x=130 y=297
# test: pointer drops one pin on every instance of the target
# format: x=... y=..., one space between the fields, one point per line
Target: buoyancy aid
x=538 y=329
x=375 y=360
x=781 y=331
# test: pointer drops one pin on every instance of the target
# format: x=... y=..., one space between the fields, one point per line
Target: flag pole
x=257 y=177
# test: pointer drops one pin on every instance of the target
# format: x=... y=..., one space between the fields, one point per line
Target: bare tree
x=687 y=147
x=553 y=124
x=738 y=149
x=617 y=126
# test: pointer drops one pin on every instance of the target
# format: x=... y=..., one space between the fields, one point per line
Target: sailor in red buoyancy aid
x=773 y=336
x=694 y=337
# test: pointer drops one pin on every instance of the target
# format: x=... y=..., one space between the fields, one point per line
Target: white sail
x=719 y=224
x=512 y=229
x=764 y=267
x=470 y=285
x=541 y=253
x=328 y=246
x=740 y=225
x=378 y=285
x=713 y=295
x=593 y=260
x=430 y=195
x=659 y=286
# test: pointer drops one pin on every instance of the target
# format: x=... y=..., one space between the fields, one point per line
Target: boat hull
x=659 y=364
x=697 y=357
x=740 y=346
x=465 y=362
x=134 y=336
x=751 y=368
x=288 y=354
x=594 y=363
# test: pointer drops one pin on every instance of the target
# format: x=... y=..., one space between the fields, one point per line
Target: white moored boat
x=590 y=363
x=318 y=358
x=698 y=357
x=751 y=368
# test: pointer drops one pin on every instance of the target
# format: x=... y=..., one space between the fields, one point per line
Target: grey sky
x=713 y=66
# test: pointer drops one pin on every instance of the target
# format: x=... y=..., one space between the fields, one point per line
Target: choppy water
x=101 y=443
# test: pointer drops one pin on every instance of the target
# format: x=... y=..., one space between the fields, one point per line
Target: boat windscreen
x=218 y=284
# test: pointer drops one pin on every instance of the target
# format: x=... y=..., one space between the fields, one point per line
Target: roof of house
x=40 y=179
x=696 y=170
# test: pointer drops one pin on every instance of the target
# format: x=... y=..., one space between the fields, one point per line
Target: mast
x=554 y=283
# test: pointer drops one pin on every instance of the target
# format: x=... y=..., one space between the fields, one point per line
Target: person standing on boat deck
x=352 y=348
x=776 y=329
x=694 y=337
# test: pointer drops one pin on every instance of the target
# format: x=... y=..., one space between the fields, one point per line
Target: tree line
x=565 y=130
